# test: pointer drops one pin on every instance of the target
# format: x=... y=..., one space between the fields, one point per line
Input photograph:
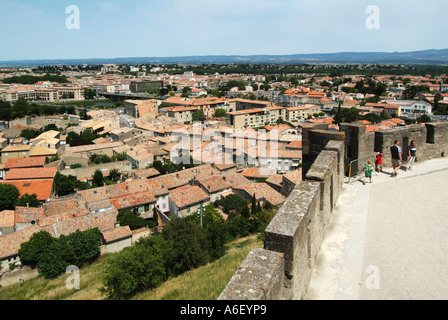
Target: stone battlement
x=282 y=270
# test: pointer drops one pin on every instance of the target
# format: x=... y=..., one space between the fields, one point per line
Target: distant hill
x=425 y=57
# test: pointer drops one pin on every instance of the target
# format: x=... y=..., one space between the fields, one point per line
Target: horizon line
x=221 y=55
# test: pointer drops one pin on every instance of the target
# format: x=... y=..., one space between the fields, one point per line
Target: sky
x=37 y=29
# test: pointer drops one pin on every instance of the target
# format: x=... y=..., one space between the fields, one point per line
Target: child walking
x=368 y=172
x=379 y=162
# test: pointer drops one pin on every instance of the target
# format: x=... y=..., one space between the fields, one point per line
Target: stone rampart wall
x=294 y=236
x=282 y=270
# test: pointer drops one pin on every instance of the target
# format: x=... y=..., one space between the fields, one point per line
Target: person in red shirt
x=379 y=162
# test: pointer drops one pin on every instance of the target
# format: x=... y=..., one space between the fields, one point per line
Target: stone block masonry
x=295 y=234
x=259 y=277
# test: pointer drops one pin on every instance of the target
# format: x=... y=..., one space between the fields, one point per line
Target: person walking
x=368 y=172
x=396 y=152
x=412 y=151
x=379 y=162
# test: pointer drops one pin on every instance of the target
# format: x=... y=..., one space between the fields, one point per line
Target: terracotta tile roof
x=275 y=179
x=31 y=173
x=372 y=128
x=10 y=243
x=104 y=221
x=57 y=207
x=294 y=145
x=7 y=218
x=133 y=200
x=28 y=215
x=181 y=178
x=236 y=180
x=117 y=234
x=214 y=184
x=294 y=176
x=188 y=195
x=147 y=173
x=42 y=188
x=258 y=172
x=264 y=191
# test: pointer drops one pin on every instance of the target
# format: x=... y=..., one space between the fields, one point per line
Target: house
x=31 y=173
x=181 y=114
x=34 y=162
x=413 y=107
x=185 y=200
x=140 y=158
x=214 y=186
x=236 y=180
x=263 y=193
x=42 y=188
x=116 y=239
x=122 y=134
x=290 y=180
x=7 y=222
x=10 y=245
x=277 y=159
x=255 y=174
x=145 y=174
x=48 y=139
x=15 y=152
x=39 y=151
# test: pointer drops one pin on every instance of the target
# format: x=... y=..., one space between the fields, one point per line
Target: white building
x=413 y=107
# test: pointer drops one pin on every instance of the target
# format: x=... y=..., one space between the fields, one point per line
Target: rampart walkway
x=388 y=239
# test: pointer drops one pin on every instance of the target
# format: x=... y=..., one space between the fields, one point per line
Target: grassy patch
x=204 y=283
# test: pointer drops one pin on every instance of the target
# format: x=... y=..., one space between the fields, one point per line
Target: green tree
x=199 y=116
x=64 y=185
x=52 y=261
x=76 y=249
x=188 y=246
x=89 y=94
x=8 y=196
x=28 y=200
x=98 y=178
x=114 y=175
x=234 y=202
x=136 y=269
x=128 y=218
x=30 y=252
x=220 y=113
x=186 y=91
x=29 y=134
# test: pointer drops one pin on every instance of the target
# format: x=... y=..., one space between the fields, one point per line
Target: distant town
x=86 y=146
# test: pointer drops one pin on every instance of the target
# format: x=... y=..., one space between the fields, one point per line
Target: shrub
x=51 y=256
x=135 y=269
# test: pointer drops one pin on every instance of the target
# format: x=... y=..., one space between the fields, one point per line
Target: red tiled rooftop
x=31 y=173
x=25 y=162
x=41 y=188
x=188 y=195
x=117 y=234
x=7 y=218
x=214 y=184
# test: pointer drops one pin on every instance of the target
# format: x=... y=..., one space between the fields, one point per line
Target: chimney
x=27 y=205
